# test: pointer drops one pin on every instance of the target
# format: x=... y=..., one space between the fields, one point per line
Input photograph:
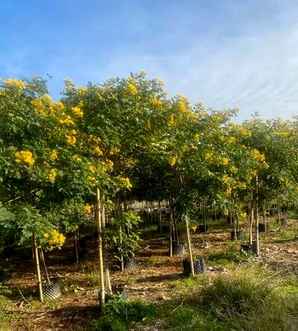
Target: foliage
x=119 y=314
x=124 y=235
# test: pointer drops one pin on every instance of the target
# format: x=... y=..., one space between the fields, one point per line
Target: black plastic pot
x=178 y=249
x=130 y=264
x=248 y=248
x=199 y=265
x=262 y=227
x=202 y=228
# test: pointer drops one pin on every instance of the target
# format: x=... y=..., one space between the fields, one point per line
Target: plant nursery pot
x=178 y=249
x=202 y=228
x=262 y=227
x=51 y=291
x=130 y=264
x=247 y=248
x=199 y=265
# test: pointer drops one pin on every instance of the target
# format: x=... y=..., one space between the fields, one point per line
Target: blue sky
x=224 y=53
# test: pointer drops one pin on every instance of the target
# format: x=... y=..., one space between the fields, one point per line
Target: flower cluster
x=71 y=138
x=24 y=157
x=125 y=182
x=66 y=120
x=52 y=175
x=53 y=155
x=87 y=209
x=182 y=105
x=97 y=151
x=257 y=155
x=156 y=102
x=173 y=160
x=132 y=88
x=55 y=238
x=15 y=83
x=77 y=112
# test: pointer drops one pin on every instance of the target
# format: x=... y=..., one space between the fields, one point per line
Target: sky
x=224 y=53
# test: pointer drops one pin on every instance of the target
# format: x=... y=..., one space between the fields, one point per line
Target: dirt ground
x=151 y=280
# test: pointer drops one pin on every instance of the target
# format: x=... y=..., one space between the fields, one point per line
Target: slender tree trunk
x=76 y=246
x=121 y=255
x=37 y=266
x=205 y=217
x=171 y=240
x=100 y=248
x=120 y=211
x=265 y=220
x=189 y=246
x=105 y=253
x=257 y=219
x=251 y=222
x=159 y=217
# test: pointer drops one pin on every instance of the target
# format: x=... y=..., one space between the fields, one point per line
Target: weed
x=119 y=313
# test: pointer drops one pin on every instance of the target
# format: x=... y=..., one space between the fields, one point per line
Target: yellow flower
x=77 y=111
x=226 y=179
x=156 y=102
x=97 y=151
x=71 y=139
x=182 y=105
x=109 y=165
x=15 y=83
x=24 y=157
x=225 y=161
x=59 y=106
x=91 y=180
x=92 y=168
x=38 y=105
x=173 y=160
x=54 y=155
x=52 y=175
x=132 y=88
x=66 y=120
x=125 y=182
x=55 y=238
x=87 y=209
x=257 y=155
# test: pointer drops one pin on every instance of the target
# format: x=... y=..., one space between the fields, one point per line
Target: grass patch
x=249 y=298
x=227 y=258
x=119 y=314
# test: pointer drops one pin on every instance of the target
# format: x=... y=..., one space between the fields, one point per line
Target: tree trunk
x=76 y=246
x=265 y=220
x=171 y=240
x=121 y=255
x=100 y=248
x=257 y=220
x=105 y=254
x=189 y=246
x=37 y=266
x=251 y=221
